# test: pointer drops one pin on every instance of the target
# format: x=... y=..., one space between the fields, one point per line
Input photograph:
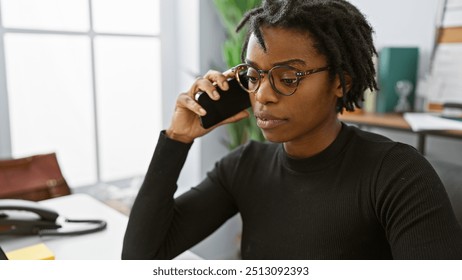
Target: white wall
x=5 y=141
x=407 y=23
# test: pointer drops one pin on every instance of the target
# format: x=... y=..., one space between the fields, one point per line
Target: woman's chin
x=273 y=137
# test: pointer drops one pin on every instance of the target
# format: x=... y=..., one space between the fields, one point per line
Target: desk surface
x=392 y=121
x=379 y=120
x=103 y=245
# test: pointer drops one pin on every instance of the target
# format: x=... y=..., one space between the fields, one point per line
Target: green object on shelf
x=395 y=64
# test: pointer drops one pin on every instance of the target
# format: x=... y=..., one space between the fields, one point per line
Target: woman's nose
x=265 y=93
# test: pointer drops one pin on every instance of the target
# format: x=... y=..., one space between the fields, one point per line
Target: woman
x=319 y=189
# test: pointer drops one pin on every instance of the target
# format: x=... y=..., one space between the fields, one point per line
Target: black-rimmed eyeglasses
x=284 y=79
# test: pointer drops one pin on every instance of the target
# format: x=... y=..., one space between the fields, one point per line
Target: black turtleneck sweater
x=363 y=197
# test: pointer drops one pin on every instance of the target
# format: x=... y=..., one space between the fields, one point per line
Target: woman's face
x=305 y=115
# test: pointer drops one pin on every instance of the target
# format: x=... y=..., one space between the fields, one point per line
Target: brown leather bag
x=34 y=178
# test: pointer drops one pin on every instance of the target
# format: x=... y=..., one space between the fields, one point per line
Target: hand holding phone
x=231 y=102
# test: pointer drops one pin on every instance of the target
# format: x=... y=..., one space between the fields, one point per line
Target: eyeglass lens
x=283 y=78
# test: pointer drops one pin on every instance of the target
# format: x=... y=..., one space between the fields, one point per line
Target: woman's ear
x=338 y=84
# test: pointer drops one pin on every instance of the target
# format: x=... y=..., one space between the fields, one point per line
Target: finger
x=204 y=85
x=229 y=73
x=184 y=100
x=218 y=79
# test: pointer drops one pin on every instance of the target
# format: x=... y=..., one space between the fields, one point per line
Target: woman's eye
x=289 y=81
x=252 y=79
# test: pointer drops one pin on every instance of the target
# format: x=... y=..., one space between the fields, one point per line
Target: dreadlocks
x=340 y=31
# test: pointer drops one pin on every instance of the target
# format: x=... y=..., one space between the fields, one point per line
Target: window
x=82 y=79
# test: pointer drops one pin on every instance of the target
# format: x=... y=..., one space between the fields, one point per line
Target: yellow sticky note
x=35 y=252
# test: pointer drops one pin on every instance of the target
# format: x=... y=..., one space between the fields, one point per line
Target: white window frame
x=167 y=22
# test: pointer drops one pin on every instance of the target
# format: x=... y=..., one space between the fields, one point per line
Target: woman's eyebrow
x=290 y=61
x=285 y=62
x=248 y=61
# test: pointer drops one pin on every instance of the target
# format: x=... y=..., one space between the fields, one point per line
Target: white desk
x=103 y=245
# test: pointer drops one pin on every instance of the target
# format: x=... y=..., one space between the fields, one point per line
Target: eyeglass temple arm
x=312 y=71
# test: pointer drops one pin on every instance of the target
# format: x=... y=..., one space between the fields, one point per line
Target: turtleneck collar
x=320 y=160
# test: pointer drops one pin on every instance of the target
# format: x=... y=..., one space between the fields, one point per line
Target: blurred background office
x=96 y=80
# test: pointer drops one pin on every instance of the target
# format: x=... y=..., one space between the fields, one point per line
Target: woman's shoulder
x=365 y=144
x=372 y=142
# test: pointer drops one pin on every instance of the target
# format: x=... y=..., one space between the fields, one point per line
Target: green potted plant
x=231 y=12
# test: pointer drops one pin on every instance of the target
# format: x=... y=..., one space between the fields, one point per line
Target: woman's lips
x=266 y=121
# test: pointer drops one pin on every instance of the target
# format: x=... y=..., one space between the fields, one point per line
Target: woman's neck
x=315 y=141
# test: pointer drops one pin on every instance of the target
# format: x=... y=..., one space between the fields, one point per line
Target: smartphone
x=231 y=102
